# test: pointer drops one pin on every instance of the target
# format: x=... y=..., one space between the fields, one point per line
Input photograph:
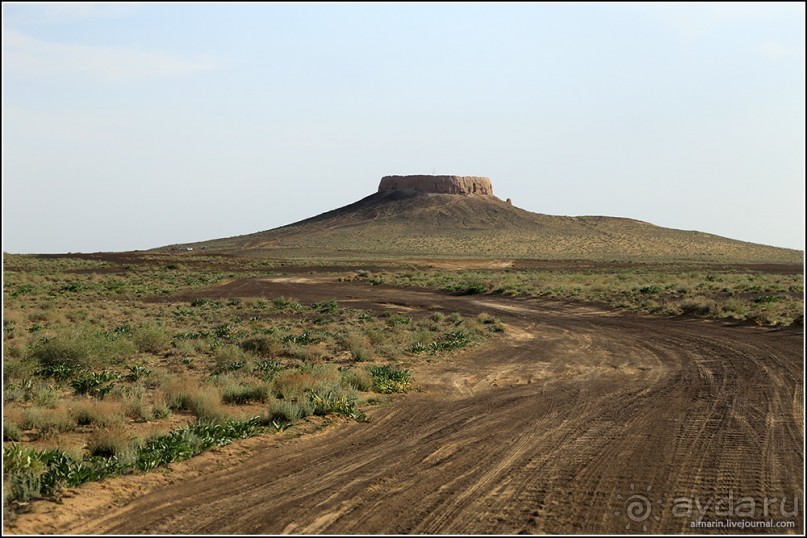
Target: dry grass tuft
x=113 y=441
x=203 y=401
x=46 y=422
x=103 y=413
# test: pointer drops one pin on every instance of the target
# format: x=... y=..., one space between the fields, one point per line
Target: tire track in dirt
x=546 y=430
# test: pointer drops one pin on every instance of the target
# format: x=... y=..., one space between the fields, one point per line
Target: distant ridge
x=406 y=219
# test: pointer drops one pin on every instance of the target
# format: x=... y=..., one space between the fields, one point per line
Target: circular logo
x=638 y=508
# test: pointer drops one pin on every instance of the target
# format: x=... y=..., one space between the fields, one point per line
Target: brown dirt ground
x=553 y=428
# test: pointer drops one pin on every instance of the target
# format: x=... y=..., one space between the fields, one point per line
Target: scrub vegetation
x=116 y=364
x=104 y=373
x=733 y=294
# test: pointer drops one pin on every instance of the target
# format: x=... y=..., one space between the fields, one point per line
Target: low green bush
x=262 y=346
x=452 y=340
x=289 y=410
x=151 y=339
x=358 y=379
x=81 y=349
x=59 y=372
x=137 y=372
x=267 y=369
x=231 y=358
x=95 y=384
x=244 y=394
x=11 y=432
x=387 y=379
x=338 y=402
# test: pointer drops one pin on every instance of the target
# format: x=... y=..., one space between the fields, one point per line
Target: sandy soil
x=560 y=426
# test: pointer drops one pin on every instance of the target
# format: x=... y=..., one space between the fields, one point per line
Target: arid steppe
x=331 y=377
x=549 y=426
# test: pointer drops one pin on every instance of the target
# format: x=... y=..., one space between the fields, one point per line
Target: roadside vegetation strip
x=31 y=473
x=762 y=298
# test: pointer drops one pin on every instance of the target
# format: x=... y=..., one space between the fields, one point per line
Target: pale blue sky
x=131 y=126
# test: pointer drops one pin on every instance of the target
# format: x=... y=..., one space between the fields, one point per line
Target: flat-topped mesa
x=439 y=184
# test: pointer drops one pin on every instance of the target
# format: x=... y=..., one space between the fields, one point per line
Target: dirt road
x=576 y=421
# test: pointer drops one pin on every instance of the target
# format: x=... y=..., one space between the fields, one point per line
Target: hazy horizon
x=133 y=126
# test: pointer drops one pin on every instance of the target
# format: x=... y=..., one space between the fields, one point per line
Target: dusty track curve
x=549 y=429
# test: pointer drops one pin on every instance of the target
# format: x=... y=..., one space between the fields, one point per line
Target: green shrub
x=767 y=299
x=398 y=319
x=302 y=339
x=137 y=409
x=18 y=458
x=184 y=443
x=336 y=401
x=59 y=372
x=72 y=287
x=22 y=469
x=103 y=414
x=418 y=347
x=24 y=485
x=288 y=410
x=304 y=353
x=358 y=379
x=95 y=384
x=11 y=432
x=151 y=339
x=648 y=290
x=281 y=302
x=244 y=394
x=357 y=344
x=137 y=372
x=203 y=402
x=176 y=446
x=326 y=307
x=472 y=289
x=81 y=349
x=467 y=287
x=262 y=346
x=160 y=409
x=23 y=367
x=452 y=340
x=268 y=368
x=34 y=473
x=44 y=395
x=697 y=306
x=387 y=379
x=230 y=358
x=65 y=470
x=296 y=385
x=46 y=422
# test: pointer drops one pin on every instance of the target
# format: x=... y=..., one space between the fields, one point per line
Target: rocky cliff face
x=439 y=184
